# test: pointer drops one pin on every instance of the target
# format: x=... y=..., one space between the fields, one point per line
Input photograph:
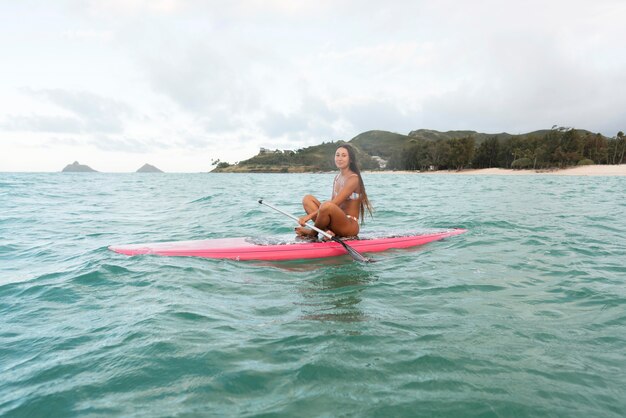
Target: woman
x=340 y=215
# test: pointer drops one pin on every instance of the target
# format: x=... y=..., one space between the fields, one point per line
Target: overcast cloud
x=176 y=83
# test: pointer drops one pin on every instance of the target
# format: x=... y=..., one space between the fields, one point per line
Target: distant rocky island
x=147 y=168
x=76 y=167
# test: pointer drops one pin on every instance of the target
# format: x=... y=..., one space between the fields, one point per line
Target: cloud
x=431 y=65
x=195 y=76
x=86 y=113
x=52 y=124
x=381 y=115
x=125 y=143
x=312 y=118
x=129 y=8
x=196 y=79
x=528 y=86
x=89 y=35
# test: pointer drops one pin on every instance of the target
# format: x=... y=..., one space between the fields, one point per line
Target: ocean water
x=524 y=315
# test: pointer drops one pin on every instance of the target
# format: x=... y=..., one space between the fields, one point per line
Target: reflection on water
x=335 y=294
x=307 y=265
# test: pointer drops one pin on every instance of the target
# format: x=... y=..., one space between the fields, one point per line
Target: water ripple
x=521 y=316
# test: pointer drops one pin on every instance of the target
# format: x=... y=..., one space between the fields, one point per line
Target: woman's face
x=342 y=158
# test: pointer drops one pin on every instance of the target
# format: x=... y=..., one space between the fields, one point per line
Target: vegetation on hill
x=558 y=147
x=453 y=150
x=309 y=159
x=428 y=134
x=381 y=143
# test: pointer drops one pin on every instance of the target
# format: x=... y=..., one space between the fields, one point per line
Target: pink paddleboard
x=247 y=249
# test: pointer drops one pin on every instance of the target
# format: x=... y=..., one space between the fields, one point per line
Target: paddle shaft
x=313 y=227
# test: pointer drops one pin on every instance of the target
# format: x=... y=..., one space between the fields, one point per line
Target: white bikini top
x=339 y=183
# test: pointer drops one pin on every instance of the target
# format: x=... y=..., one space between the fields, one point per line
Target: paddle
x=353 y=253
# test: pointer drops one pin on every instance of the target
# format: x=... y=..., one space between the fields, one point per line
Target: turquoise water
x=522 y=316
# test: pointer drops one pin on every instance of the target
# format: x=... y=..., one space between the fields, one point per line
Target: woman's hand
x=303 y=220
x=329 y=232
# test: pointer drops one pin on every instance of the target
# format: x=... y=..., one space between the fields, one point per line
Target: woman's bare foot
x=305 y=232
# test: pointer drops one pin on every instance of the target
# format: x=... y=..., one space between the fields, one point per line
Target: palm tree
x=620 y=135
x=618 y=139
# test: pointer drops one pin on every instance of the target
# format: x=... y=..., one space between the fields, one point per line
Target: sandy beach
x=587 y=170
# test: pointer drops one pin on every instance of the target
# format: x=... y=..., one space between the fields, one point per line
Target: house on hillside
x=269 y=151
x=381 y=162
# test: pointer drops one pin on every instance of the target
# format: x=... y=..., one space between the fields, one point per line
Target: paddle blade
x=353 y=253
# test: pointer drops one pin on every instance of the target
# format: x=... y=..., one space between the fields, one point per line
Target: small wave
x=205 y=199
x=523 y=315
x=463 y=289
x=191 y=316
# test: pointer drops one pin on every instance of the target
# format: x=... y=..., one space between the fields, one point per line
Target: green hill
x=309 y=159
x=431 y=135
x=380 y=143
x=433 y=148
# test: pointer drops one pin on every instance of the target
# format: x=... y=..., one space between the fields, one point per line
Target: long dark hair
x=354 y=167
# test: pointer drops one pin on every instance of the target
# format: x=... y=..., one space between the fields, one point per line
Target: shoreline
x=586 y=170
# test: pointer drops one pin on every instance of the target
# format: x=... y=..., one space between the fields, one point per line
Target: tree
x=461 y=152
x=439 y=152
x=620 y=135
x=395 y=161
x=505 y=154
x=595 y=148
x=487 y=153
x=618 y=148
x=551 y=147
x=528 y=148
x=572 y=147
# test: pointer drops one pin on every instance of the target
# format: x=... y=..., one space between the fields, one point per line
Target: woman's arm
x=304 y=219
x=351 y=185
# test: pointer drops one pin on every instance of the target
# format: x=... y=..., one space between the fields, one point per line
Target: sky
x=180 y=84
